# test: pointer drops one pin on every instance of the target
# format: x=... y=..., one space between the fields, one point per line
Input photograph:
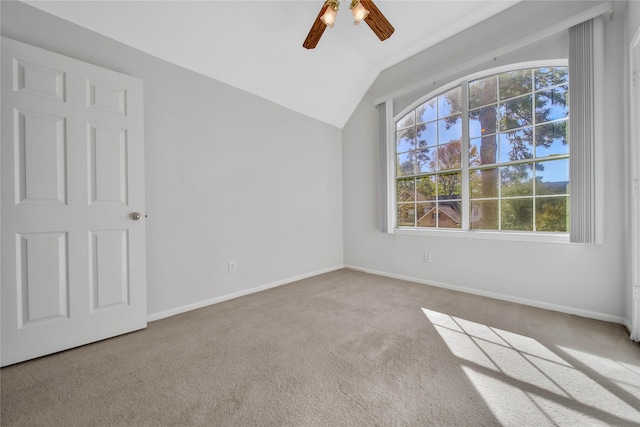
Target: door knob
x=135 y=216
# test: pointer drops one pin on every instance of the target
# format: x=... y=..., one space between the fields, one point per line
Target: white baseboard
x=502 y=297
x=200 y=304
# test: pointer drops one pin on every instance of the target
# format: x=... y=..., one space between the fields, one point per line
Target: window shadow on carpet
x=521 y=379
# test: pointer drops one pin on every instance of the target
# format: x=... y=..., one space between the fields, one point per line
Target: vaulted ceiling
x=256 y=46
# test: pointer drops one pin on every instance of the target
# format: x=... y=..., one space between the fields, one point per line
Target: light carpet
x=340 y=349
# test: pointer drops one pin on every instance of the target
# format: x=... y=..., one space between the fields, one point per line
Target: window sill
x=488 y=235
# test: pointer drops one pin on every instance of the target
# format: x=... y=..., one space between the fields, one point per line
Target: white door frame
x=634 y=117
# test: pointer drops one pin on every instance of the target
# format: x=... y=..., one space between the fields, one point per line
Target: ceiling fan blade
x=376 y=21
x=316 y=30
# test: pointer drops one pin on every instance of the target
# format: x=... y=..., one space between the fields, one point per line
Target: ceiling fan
x=363 y=10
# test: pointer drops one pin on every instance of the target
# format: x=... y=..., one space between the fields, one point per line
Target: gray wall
x=230 y=176
x=587 y=279
x=633 y=19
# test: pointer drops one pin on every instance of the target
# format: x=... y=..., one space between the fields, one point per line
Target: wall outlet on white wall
x=232 y=266
x=427 y=257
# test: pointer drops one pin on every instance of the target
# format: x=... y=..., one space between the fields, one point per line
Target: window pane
x=516 y=180
x=474 y=152
x=426 y=160
x=450 y=102
x=407 y=121
x=449 y=215
x=517 y=214
x=483 y=151
x=546 y=77
x=552 y=177
x=514 y=83
x=427 y=215
x=449 y=186
x=449 y=156
x=482 y=121
x=426 y=188
x=483 y=92
x=484 y=183
x=516 y=145
x=516 y=113
x=552 y=214
x=427 y=134
x=427 y=111
x=484 y=215
x=404 y=164
x=406 y=190
x=450 y=129
x=406 y=214
x=552 y=104
x=551 y=139
x=405 y=140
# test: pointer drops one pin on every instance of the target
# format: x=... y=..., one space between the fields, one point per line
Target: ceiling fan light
x=359 y=11
x=329 y=16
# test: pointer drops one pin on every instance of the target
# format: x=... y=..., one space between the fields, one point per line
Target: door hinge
x=634 y=79
x=636 y=293
x=635 y=187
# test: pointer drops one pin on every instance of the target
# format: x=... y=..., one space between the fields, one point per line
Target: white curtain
x=385 y=163
x=585 y=50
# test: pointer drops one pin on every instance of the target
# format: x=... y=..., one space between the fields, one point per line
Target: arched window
x=488 y=153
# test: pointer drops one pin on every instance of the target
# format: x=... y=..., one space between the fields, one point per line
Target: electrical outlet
x=427 y=257
x=232 y=266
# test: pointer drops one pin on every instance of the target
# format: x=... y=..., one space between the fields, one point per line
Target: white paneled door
x=73 y=223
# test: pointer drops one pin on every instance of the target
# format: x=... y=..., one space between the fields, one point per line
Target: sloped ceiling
x=256 y=46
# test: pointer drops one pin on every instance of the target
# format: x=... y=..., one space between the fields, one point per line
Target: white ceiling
x=257 y=45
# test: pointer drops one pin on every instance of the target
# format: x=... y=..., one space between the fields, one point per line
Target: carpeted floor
x=341 y=349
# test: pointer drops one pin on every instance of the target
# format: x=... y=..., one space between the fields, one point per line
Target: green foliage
x=426 y=188
x=517 y=214
x=552 y=214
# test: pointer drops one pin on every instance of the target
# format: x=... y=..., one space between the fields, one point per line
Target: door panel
x=108 y=165
x=72 y=165
x=39 y=80
x=42 y=277
x=40 y=167
x=109 y=270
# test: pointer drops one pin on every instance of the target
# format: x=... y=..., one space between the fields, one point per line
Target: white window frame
x=465 y=232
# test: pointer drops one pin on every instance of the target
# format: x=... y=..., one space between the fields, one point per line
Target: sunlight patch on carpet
x=522 y=380
x=623 y=375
